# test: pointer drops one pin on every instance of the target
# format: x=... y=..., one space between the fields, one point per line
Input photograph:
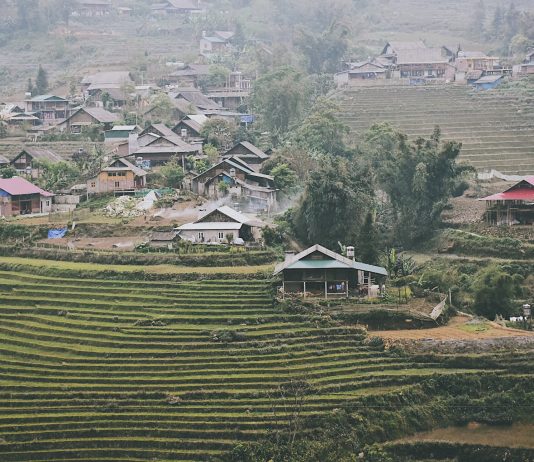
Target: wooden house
x=20 y=197
x=196 y=99
x=121 y=176
x=87 y=116
x=319 y=272
x=192 y=124
x=514 y=206
x=92 y=8
x=527 y=66
x=474 y=61
x=488 y=82
x=189 y=75
x=50 y=109
x=170 y=7
x=164 y=148
x=249 y=153
x=222 y=225
x=361 y=73
x=28 y=161
x=120 y=133
x=229 y=98
x=219 y=43
x=164 y=239
x=240 y=180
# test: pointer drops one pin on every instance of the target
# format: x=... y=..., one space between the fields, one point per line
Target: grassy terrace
x=496 y=128
x=113 y=370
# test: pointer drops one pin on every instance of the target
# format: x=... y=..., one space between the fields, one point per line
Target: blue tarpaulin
x=57 y=233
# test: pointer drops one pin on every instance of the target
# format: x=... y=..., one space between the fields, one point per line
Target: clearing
x=458 y=328
x=519 y=435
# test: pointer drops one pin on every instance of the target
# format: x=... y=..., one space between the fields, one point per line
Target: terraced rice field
x=104 y=370
x=496 y=129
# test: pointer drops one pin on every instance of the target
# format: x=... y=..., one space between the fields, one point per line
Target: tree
x=30 y=87
x=217 y=77
x=41 y=82
x=336 y=198
x=280 y=99
x=173 y=173
x=211 y=153
x=494 y=291
x=369 y=241
x=324 y=52
x=322 y=130
x=219 y=133
x=418 y=178
x=57 y=175
x=7 y=171
x=478 y=23
x=285 y=179
x=497 y=23
x=3 y=129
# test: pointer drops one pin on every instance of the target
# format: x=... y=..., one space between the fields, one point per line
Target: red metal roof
x=518 y=192
x=18 y=186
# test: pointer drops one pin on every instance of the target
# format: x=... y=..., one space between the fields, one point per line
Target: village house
x=488 y=82
x=527 y=67
x=158 y=144
x=248 y=153
x=222 y=225
x=235 y=177
x=50 y=109
x=196 y=99
x=319 y=272
x=189 y=75
x=28 y=162
x=112 y=83
x=359 y=73
x=121 y=176
x=514 y=206
x=87 y=116
x=475 y=61
x=217 y=44
x=230 y=99
x=92 y=7
x=120 y=133
x=14 y=114
x=20 y=197
x=176 y=7
x=192 y=124
x=164 y=239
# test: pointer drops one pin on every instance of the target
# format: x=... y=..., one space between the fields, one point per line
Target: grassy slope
x=129 y=370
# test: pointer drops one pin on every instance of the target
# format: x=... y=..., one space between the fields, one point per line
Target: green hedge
x=487 y=246
x=212 y=259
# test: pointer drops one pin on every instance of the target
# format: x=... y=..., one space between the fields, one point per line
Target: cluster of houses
x=415 y=63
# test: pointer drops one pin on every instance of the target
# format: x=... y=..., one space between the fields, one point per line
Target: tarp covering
x=57 y=233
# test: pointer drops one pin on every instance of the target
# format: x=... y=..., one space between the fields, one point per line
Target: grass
x=151 y=269
x=88 y=370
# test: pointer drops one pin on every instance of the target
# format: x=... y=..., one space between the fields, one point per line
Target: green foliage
x=220 y=133
x=41 y=81
x=223 y=188
x=369 y=242
x=280 y=99
x=173 y=173
x=285 y=179
x=216 y=78
x=58 y=175
x=494 y=292
x=321 y=130
x=336 y=199
x=3 y=130
x=7 y=171
x=419 y=179
x=323 y=52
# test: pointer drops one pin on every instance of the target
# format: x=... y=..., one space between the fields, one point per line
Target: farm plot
x=106 y=370
x=496 y=129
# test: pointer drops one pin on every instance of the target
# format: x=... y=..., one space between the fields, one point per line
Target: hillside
x=496 y=127
x=104 y=370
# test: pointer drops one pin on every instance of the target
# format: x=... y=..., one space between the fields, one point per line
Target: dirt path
x=459 y=328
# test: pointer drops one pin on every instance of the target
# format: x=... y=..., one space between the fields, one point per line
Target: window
x=48 y=203
x=93 y=184
x=117 y=184
x=201 y=236
x=221 y=235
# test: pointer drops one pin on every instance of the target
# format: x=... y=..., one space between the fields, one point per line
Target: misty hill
x=495 y=127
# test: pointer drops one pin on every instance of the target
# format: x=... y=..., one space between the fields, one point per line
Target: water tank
x=183 y=131
x=350 y=252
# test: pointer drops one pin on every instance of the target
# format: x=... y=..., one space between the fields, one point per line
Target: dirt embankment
x=461 y=334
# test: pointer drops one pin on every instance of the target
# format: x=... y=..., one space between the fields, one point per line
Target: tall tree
x=322 y=130
x=41 y=82
x=478 y=23
x=280 y=98
x=336 y=199
x=419 y=178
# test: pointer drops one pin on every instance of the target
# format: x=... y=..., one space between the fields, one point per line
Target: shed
x=318 y=271
x=488 y=82
x=164 y=239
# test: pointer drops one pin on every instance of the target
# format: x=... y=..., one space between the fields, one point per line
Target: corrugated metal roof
x=211 y=226
x=318 y=264
x=18 y=186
